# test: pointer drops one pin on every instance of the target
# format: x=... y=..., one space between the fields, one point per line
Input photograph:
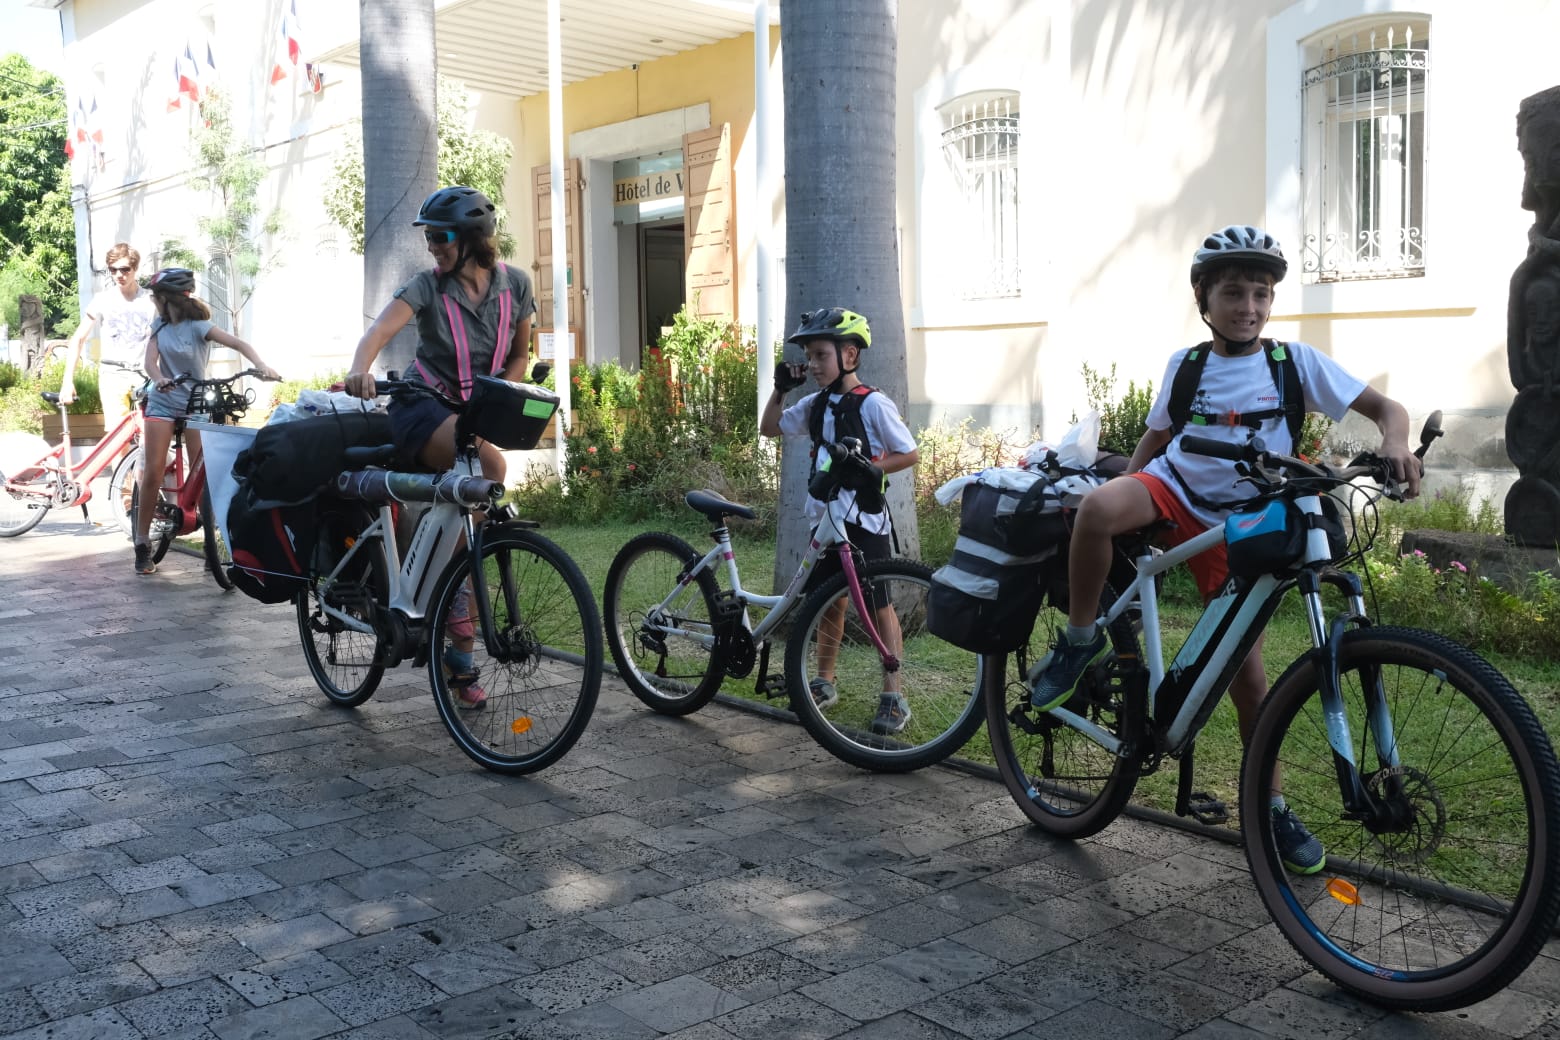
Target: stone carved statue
x=1533 y=333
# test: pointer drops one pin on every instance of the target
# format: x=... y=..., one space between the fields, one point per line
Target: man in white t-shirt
x=124 y=312
x=1234 y=273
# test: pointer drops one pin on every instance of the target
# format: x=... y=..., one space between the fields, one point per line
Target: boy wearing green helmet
x=843 y=406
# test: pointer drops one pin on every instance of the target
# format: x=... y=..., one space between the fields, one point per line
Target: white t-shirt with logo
x=1242 y=385
x=123 y=325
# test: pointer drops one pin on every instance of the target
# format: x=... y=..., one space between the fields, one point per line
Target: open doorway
x=661 y=277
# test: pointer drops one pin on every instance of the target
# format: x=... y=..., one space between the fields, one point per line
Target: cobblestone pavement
x=193 y=844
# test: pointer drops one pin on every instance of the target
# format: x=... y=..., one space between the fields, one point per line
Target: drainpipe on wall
x=764 y=194
x=562 y=354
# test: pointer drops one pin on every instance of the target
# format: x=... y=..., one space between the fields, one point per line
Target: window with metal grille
x=980 y=144
x=1364 y=101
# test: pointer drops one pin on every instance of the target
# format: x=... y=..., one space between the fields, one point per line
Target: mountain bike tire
x=211 y=547
x=19 y=513
x=939 y=682
x=347 y=665
x=541 y=689
x=121 y=492
x=1068 y=785
x=673 y=665
x=1454 y=897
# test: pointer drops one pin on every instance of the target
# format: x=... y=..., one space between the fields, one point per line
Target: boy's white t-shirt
x=886 y=433
x=1241 y=384
x=124 y=325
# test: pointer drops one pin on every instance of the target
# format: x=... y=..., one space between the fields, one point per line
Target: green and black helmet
x=834 y=323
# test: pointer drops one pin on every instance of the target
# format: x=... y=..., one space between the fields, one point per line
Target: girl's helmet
x=834 y=323
x=1239 y=244
x=173 y=281
x=460 y=208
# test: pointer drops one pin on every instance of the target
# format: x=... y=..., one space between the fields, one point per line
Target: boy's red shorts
x=1211 y=568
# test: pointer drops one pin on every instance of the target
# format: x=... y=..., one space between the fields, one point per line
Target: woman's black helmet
x=174 y=281
x=460 y=208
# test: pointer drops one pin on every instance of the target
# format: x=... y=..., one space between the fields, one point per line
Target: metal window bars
x=1364 y=108
x=980 y=144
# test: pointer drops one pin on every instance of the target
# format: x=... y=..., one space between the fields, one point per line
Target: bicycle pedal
x=773 y=687
x=1206 y=809
x=1025 y=720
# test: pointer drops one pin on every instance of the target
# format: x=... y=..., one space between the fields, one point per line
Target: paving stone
x=562 y=989
x=302 y=1018
x=171 y=1010
x=274 y=941
x=98 y=1024
x=677 y=1002
x=368 y=998
x=793 y=1015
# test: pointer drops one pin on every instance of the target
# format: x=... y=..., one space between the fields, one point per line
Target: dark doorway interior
x=661 y=277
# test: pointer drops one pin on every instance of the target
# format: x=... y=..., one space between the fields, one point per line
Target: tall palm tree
x=841 y=241
x=400 y=151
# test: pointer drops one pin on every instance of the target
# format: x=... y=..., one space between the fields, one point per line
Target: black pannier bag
x=290 y=461
x=272 y=545
x=1012 y=534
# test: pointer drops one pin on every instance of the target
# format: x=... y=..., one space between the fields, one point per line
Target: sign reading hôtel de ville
x=648 y=187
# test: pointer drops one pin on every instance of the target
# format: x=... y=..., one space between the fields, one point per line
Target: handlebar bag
x=272 y=545
x=291 y=461
x=1267 y=537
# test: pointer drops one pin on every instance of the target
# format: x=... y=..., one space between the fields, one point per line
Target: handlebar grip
x=1194 y=445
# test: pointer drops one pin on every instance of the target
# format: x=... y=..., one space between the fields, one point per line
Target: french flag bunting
x=290 y=44
x=206 y=71
x=189 y=74
x=75 y=132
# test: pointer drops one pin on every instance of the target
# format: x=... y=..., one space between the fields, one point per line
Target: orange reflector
x=1344 y=892
x=521 y=725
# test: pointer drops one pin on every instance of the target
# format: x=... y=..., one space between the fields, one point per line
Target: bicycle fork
x=1383 y=810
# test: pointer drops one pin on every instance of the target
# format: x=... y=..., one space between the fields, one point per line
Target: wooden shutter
x=541 y=266
x=710 y=235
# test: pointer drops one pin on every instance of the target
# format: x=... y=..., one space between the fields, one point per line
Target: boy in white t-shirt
x=125 y=313
x=833 y=339
x=1234 y=272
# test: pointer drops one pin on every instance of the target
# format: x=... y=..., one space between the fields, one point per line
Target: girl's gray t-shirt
x=182 y=349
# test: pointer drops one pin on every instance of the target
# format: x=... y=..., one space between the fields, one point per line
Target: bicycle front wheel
x=347 y=664
x=210 y=546
x=1441 y=888
x=1067 y=783
x=830 y=639
x=540 y=685
x=659 y=624
x=121 y=491
x=19 y=512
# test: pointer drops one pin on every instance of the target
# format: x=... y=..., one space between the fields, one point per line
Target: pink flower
x=591 y=450
x=1458 y=566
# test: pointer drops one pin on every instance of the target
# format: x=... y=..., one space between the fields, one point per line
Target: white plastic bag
x=1008 y=478
x=324 y=402
x=1081 y=446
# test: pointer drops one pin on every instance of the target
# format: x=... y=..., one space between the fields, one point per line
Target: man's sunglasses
x=121 y=270
x=439 y=236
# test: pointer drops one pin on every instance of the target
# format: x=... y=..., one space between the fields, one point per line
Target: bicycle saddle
x=52 y=398
x=715 y=507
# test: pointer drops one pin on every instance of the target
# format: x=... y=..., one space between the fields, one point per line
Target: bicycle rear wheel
x=939 y=682
x=665 y=654
x=541 y=686
x=1448 y=894
x=19 y=512
x=211 y=548
x=1064 y=781
x=347 y=664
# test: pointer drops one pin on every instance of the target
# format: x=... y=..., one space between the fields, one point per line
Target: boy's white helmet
x=1239 y=244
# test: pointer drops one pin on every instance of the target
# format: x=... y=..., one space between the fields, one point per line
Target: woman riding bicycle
x=1233 y=275
x=473 y=317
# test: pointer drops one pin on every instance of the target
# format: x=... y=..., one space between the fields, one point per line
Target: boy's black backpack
x=1286 y=377
x=847 y=419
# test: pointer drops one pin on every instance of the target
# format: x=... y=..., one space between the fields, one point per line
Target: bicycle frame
x=71 y=478
x=830 y=532
x=1224 y=634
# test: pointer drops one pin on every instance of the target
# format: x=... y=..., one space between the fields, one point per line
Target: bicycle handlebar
x=1271 y=472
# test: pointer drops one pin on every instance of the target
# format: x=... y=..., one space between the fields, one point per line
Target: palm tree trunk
x=840 y=230
x=400 y=152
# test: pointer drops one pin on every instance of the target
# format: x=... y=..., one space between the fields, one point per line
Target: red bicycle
x=185 y=502
x=51 y=480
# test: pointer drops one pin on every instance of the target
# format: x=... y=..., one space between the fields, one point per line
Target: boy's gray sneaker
x=824 y=695
x=893 y=714
x=1053 y=677
x=143 y=559
x=1298 y=848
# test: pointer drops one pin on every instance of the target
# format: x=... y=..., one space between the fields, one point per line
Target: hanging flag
x=178 y=82
x=75 y=131
x=206 y=72
x=290 y=43
x=189 y=75
x=316 y=77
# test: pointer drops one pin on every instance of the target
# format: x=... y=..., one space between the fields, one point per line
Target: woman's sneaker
x=824 y=695
x=1298 y=848
x=1053 y=677
x=143 y=559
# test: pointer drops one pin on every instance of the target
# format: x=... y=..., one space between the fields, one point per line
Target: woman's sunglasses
x=439 y=236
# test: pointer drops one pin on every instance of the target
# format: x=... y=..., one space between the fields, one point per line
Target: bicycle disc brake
x=1414 y=807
